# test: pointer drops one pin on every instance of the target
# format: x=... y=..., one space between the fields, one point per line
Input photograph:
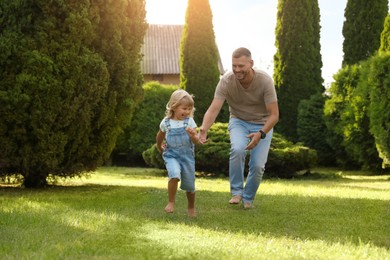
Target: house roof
x=161 y=50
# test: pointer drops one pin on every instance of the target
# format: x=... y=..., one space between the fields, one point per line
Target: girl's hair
x=179 y=97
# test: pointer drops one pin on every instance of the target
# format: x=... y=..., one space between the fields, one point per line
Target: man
x=251 y=96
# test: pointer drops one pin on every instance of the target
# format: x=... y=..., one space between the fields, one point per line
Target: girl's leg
x=191 y=204
x=172 y=188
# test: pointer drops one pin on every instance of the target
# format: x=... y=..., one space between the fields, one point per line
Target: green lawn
x=118 y=213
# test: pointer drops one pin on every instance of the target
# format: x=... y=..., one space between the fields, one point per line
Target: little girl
x=178 y=129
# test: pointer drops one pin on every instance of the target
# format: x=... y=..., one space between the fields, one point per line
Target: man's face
x=242 y=67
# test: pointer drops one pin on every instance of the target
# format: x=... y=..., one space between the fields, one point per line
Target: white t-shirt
x=177 y=124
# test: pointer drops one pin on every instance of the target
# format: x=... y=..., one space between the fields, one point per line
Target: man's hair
x=242 y=52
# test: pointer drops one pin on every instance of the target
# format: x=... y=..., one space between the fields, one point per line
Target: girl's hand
x=191 y=131
x=162 y=147
x=193 y=135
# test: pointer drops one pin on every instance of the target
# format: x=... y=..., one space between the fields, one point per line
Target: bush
x=285 y=158
x=312 y=128
x=153 y=158
x=143 y=126
x=378 y=87
x=70 y=77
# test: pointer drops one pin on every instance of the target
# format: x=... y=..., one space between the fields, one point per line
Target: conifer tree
x=362 y=29
x=385 y=36
x=199 y=73
x=298 y=62
x=70 y=78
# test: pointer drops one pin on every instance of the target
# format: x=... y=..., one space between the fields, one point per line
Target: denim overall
x=179 y=156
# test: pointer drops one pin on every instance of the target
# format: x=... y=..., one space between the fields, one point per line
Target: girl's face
x=181 y=112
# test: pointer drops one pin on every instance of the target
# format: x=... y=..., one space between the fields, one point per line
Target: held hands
x=202 y=136
x=254 y=140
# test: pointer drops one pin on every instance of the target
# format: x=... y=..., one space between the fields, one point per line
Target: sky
x=251 y=24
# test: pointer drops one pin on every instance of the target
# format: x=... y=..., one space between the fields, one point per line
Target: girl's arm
x=160 y=137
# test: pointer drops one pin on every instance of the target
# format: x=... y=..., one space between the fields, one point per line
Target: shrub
x=312 y=128
x=143 y=126
x=153 y=158
x=70 y=76
x=377 y=84
x=285 y=158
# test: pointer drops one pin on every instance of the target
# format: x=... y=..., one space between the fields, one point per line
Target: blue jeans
x=238 y=130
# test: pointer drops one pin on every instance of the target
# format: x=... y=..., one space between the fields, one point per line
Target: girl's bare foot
x=192 y=212
x=170 y=207
x=235 y=199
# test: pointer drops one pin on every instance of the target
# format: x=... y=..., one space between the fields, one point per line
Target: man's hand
x=254 y=140
x=202 y=136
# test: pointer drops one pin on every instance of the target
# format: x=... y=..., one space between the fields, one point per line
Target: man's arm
x=209 y=118
x=273 y=110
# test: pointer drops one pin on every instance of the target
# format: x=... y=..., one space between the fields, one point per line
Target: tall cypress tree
x=362 y=28
x=298 y=63
x=71 y=77
x=385 y=36
x=199 y=73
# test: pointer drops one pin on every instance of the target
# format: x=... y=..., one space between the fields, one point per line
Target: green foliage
x=358 y=141
x=348 y=119
x=312 y=130
x=199 y=73
x=385 y=36
x=285 y=158
x=153 y=157
x=364 y=22
x=340 y=92
x=378 y=87
x=66 y=87
x=298 y=62
x=144 y=125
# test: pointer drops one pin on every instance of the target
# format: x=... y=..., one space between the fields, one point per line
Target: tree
x=348 y=117
x=385 y=36
x=345 y=81
x=70 y=78
x=297 y=71
x=378 y=88
x=312 y=130
x=362 y=29
x=357 y=139
x=199 y=73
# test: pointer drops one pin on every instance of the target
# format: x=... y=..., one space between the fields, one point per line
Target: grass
x=118 y=213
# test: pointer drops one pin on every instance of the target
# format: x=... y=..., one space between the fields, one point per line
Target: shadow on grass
x=331 y=219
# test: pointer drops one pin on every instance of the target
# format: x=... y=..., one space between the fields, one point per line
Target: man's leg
x=238 y=142
x=258 y=159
